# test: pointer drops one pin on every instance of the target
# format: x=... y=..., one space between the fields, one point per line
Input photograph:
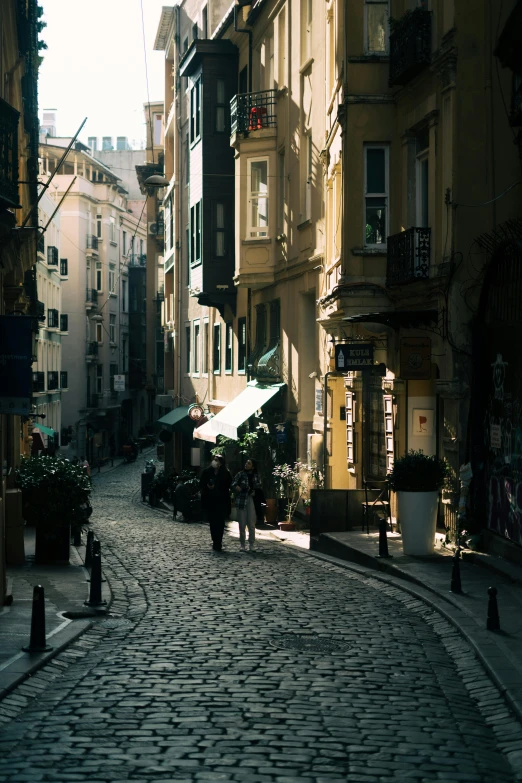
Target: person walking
x=85 y=465
x=215 y=495
x=245 y=484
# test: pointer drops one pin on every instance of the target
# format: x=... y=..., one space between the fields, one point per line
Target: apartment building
x=246 y=249
x=100 y=411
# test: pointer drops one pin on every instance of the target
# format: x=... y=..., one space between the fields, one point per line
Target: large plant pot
x=418 y=517
x=271 y=511
x=53 y=545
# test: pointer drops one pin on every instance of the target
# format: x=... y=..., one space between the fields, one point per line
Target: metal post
x=493 y=623
x=37 y=642
x=88 y=549
x=95 y=592
x=456 y=586
x=383 y=538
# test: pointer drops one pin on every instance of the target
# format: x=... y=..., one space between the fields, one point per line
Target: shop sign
x=416 y=358
x=350 y=357
x=119 y=383
x=16 y=348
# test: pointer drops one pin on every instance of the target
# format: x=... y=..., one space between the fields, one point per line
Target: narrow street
x=273 y=666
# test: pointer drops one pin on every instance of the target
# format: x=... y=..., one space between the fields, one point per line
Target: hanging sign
x=119 y=383
x=16 y=348
x=318 y=400
x=416 y=358
x=350 y=357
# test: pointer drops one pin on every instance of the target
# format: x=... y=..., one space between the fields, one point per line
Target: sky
x=94 y=65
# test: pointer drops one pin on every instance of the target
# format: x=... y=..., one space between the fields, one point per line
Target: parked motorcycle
x=130 y=452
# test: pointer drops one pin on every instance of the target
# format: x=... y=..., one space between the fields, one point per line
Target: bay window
x=258 y=198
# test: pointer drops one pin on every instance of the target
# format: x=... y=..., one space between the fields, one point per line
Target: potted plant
x=55 y=495
x=293 y=484
x=417 y=478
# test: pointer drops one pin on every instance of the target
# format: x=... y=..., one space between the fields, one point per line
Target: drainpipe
x=325 y=421
x=249 y=33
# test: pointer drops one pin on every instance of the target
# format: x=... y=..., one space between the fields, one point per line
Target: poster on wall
x=416 y=358
x=423 y=422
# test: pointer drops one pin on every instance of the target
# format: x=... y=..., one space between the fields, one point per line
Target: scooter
x=130 y=453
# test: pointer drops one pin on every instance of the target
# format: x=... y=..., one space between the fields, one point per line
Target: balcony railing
x=40 y=311
x=53 y=318
x=40 y=245
x=92 y=242
x=8 y=155
x=92 y=348
x=410 y=46
x=64 y=322
x=52 y=256
x=91 y=296
x=408 y=256
x=138 y=259
x=38 y=381
x=52 y=380
x=253 y=111
x=63 y=380
x=64 y=267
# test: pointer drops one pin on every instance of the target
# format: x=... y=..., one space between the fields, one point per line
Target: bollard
x=383 y=539
x=96 y=550
x=493 y=623
x=95 y=592
x=88 y=549
x=37 y=641
x=456 y=586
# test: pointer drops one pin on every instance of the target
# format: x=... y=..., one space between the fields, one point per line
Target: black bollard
x=95 y=592
x=96 y=550
x=383 y=539
x=37 y=642
x=493 y=623
x=88 y=549
x=456 y=586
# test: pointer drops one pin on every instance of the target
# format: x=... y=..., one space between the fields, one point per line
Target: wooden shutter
x=389 y=431
x=350 y=429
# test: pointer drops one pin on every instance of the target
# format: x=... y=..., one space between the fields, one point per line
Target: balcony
x=40 y=311
x=410 y=46
x=53 y=319
x=253 y=111
x=408 y=256
x=52 y=256
x=63 y=380
x=64 y=322
x=91 y=297
x=138 y=259
x=91 y=352
x=92 y=242
x=52 y=380
x=64 y=267
x=38 y=382
x=40 y=245
x=8 y=156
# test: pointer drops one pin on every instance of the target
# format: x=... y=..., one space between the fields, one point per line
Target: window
x=241 y=345
x=281 y=194
x=99 y=226
x=187 y=159
x=99 y=333
x=376 y=195
x=124 y=356
x=195 y=363
x=112 y=279
x=306 y=36
x=64 y=267
x=64 y=322
x=99 y=378
x=204 y=22
x=422 y=150
x=113 y=370
x=124 y=296
x=204 y=349
x=195 y=230
x=195 y=111
x=258 y=198
x=187 y=242
x=229 y=338
x=158 y=130
x=376 y=26
x=220 y=106
x=99 y=284
x=187 y=349
x=308 y=173
x=112 y=229
x=217 y=348
x=220 y=230
x=112 y=328
x=124 y=242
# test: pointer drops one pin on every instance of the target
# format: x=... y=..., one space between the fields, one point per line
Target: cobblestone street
x=267 y=667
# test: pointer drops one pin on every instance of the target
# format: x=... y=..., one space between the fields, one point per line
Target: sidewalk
x=430 y=579
x=65 y=591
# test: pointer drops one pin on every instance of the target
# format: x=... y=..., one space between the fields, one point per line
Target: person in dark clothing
x=215 y=498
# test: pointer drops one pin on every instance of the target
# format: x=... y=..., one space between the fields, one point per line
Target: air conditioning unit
x=153 y=229
x=314 y=451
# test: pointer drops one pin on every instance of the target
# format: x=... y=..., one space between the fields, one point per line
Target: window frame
x=385 y=195
x=112 y=328
x=99 y=276
x=112 y=279
x=196 y=233
x=229 y=347
x=99 y=378
x=99 y=230
x=221 y=106
x=216 y=329
x=188 y=348
x=370 y=52
x=220 y=230
x=195 y=111
x=204 y=347
x=196 y=353
x=241 y=322
x=257 y=232
x=99 y=334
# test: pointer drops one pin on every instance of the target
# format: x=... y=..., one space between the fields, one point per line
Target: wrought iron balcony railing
x=64 y=267
x=253 y=111
x=92 y=242
x=53 y=318
x=64 y=322
x=410 y=46
x=8 y=155
x=52 y=380
x=92 y=348
x=137 y=259
x=38 y=381
x=91 y=296
x=52 y=256
x=40 y=311
x=408 y=256
x=63 y=380
x=41 y=244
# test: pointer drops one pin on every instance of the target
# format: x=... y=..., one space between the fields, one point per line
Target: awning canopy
x=238 y=411
x=45 y=430
x=176 y=420
x=396 y=318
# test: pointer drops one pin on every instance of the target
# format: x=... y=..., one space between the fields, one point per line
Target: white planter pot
x=417 y=513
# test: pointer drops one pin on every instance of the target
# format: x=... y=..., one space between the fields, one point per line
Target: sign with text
x=16 y=347
x=416 y=358
x=353 y=356
x=119 y=383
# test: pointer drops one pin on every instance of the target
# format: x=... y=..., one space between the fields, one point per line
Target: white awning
x=236 y=412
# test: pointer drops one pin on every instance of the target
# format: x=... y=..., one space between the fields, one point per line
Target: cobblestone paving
x=273 y=667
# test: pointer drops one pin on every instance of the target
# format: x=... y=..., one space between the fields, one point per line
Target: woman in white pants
x=245 y=484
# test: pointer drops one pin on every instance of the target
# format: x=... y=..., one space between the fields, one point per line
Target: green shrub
x=53 y=489
x=418 y=472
